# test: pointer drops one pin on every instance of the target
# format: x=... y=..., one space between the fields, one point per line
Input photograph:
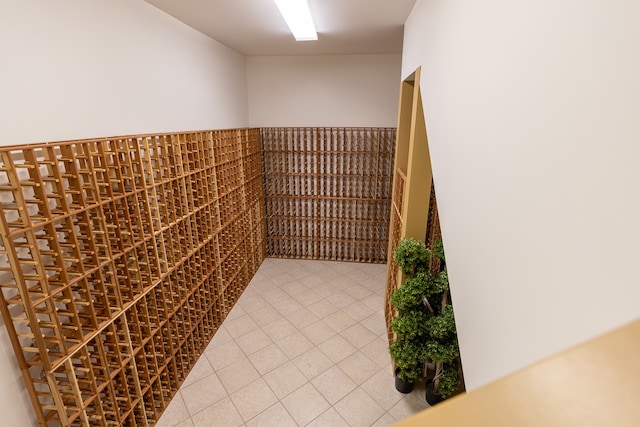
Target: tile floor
x=305 y=345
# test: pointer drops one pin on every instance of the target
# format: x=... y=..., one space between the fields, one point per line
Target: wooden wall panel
x=120 y=258
x=328 y=192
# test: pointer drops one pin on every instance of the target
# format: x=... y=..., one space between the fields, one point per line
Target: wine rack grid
x=328 y=192
x=120 y=258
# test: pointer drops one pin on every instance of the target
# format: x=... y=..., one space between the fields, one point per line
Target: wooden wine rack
x=395 y=235
x=120 y=258
x=328 y=192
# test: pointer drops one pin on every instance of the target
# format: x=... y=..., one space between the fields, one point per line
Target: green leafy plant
x=411 y=294
x=443 y=325
x=412 y=326
x=408 y=349
x=448 y=380
x=411 y=255
x=408 y=355
x=425 y=325
x=442 y=343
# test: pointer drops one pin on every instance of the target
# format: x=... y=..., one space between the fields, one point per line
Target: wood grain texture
x=120 y=258
x=328 y=192
x=594 y=384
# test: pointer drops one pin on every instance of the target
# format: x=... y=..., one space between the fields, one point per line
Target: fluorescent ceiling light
x=298 y=17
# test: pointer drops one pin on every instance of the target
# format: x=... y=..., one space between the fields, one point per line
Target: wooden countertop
x=596 y=383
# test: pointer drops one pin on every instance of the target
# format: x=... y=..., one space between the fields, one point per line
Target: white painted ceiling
x=255 y=27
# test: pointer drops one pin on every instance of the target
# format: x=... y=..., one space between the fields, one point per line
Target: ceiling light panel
x=297 y=15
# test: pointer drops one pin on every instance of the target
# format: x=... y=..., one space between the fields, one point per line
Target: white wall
x=15 y=404
x=75 y=69
x=331 y=90
x=532 y=114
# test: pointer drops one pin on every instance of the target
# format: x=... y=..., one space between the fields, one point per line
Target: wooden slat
x=318 y=184
x=120 y=259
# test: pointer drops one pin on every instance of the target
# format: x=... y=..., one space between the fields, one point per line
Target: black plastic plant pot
x=433 y=398
x=403 y=386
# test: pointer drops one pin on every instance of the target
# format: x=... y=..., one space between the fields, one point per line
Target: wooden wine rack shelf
x=328 y=192
x=120 y=258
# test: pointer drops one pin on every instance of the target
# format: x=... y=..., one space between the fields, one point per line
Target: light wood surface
x=594 y=384
x=119 y=259
x=328 y=192
x=411 y=185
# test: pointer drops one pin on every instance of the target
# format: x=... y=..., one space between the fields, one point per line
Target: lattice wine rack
x=120 y=258
x=395 y=231
x=328 y=192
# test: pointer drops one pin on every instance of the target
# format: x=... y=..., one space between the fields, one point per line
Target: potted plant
x=425 y=325
x=442 y=342
x=408 y=349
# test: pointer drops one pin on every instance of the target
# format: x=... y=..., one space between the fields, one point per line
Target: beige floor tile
x=307 y=297
x=382 y=389
x=358 y=311
x=201 y=369
x=336 y=348
x=285 y=379
x=279 y=329
x=294 y=287
x=357 y=292
x=299 y=272
x=326 y=290
x=236 y=312
x=222 y=413
x=318 y=332
x=385 y=421
x=202 y=393
x=374 y=302
x=282 y=278
x=409 y=405
x=240 y=326
x=378 y=351
x=277 y=323
x=268 y=358
x=253 y=341
x=313 y=280
x=274 y=295
x=339 y=321
x=185 y=423
x=224 y=355
x=305 y=404
x=175 y=413
x=359 y=367
x=343 y=267
x=340 y=299
x=221 y=337
x=261 y=281
x=302 y=318
x=328 y=274
x=265 y=315
x=329 y=418
x=249 y=293
x=358 y=409
x=358 y=336
x=238 y=375
x=251 y=303
x=357 y=275
x=312 y=363
x=294 y=345
x=333 y=384
x=317 y=267
x=375 y=323
x=253 y=399
x=287 y=306
x=275 y=416
x=322 y=308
